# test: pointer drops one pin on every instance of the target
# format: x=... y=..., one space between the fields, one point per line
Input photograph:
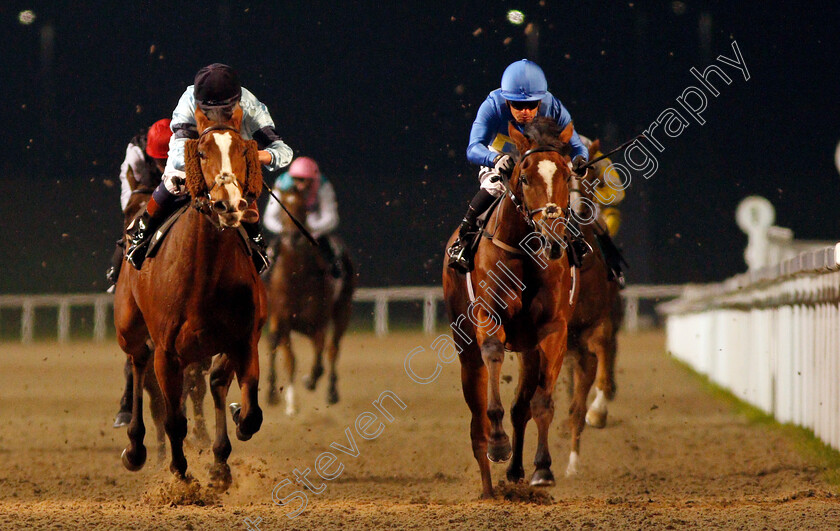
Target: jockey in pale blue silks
x=522 y=97
x=217 y=92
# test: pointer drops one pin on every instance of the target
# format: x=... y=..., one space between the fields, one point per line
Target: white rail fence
x=771 y=337
x=430 y=297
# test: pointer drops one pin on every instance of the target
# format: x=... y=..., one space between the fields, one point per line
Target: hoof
x=123 y=419
x=332 y=396
x=273 y=398
x=572 y=467
x=291 y=401
x=134 y=462
x=161 y=453
x=235 y=409
x=515 y=475
x=220 y=478
x=310 y=380
x=542 y=478
x=596 y=419
x=248 y=426
x=500 y=452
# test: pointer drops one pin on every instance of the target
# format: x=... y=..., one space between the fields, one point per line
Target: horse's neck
x=510 y=226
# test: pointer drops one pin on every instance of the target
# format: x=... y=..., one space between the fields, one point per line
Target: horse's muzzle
x=230 y=212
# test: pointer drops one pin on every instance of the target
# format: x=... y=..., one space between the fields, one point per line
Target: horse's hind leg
x=221 y=374
x=318 y=341
x=124 y=414
x=584 y=375
x=196 y=388
x=247 y=368
x=341 y=319
x=287 y=361
x=274 y=339
x=170 y=376
x=520 y=411
x=493 y=354
x=602 y=343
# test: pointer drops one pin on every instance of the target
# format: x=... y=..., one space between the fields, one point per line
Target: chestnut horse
x=519 y=301
x=304 y=297
x=195 y=386
x=200 y=296
x=596 y=319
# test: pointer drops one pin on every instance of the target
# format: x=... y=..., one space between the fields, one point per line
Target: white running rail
x=771 y=337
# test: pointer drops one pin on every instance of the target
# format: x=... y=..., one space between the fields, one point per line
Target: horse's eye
x=523 y=179
x=202 y=155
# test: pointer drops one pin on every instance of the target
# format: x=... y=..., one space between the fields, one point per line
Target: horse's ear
x=129 y=176
x=518 y=138
x=236 y=120
x=254 y=180
x=594 y=148
x=566 y=133
x=201 y=120
x=192 y=167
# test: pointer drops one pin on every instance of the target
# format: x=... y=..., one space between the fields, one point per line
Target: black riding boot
x=328 y=253
x=113 y=272
x=139 y=233
x=577 y=247
x=612 y=256
x=259 y=248
x=461 y=251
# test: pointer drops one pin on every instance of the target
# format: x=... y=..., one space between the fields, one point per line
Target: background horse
x=304 y=297
x=522 y=302
x=194 y=376
x=595 y=321
x=199 y=296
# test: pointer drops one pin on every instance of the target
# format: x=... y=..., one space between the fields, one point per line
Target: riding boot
x=613 y=258
x=113 y=272
x=139 y=232
x=259 y=249
x=461 y=250
x=333 y=260
x=577 y=247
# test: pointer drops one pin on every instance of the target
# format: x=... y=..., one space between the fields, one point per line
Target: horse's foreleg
x=273 y=342
x=196 y=387
x=493 y=354
x=170 y=377
x=474 y=385
x=247 y=367
x=318 y=340
x=287 y=361
x=124 y=414
x=520 y=411
x=134 y=456
x=584 y=375
x=341 y=319
x=602 y=344
x=552 y=350
x=157 y=408
x=221 y=374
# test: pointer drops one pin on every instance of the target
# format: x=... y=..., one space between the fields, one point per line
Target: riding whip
x=616 y=150
x=297 y=223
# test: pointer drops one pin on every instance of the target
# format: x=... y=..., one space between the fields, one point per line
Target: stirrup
x=261 y=261
x=459 y=257
x=136 y=254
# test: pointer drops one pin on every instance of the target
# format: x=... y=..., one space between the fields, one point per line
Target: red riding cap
x=304 y=168
x=157 y=140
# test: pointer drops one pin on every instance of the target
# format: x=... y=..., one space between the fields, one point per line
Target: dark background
x=383 y=97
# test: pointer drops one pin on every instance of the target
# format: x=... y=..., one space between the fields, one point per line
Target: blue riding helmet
x=524 y=80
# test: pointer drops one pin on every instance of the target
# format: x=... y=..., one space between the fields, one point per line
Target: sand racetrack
x=671 y=456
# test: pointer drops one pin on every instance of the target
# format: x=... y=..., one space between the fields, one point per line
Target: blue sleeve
x=564 y=119
x=484 y=129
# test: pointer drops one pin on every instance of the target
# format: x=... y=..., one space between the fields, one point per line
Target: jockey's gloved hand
x=577 y=162
x=503 y=164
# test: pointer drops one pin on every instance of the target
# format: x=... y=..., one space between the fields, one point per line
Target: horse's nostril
x=242 y=205
x=220 y=207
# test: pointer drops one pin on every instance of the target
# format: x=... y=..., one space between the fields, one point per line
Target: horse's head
x=541 y=178
x=222 y=168
x=295 y=202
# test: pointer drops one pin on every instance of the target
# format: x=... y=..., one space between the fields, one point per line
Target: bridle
x=208 y=130
x=520 y=204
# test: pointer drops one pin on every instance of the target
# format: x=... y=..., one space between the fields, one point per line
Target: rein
x=521 y=207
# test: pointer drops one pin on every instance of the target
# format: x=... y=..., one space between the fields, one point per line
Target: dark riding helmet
x=217 y=86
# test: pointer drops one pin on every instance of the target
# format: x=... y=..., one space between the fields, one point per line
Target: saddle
x=163 y=230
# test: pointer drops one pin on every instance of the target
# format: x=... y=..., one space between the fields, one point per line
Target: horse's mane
x=544 y=131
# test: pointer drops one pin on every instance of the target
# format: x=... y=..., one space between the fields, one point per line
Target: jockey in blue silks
x=522 y=97
x=217 y=92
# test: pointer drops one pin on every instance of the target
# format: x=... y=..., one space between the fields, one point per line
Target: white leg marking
x=572 y=469
x=546 y=169
x=596 y=416
x=291 y=401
